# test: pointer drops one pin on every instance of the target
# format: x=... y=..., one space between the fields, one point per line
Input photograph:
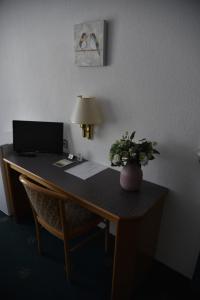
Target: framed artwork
x=89 y=41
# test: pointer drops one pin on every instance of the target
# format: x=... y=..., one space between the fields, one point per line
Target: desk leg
x=17 y=195
x=135 y=247
x=124 y=259
x=8 y=187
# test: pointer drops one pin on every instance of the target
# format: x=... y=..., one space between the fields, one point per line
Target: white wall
x=151 y=85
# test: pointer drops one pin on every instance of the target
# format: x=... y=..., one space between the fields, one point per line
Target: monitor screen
x=35 y=136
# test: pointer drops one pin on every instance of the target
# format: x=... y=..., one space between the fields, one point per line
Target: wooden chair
x=61 y=217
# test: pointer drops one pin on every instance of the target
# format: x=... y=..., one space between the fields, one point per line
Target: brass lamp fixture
x=87 y=114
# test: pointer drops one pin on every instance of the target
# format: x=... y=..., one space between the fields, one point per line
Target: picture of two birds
x=89 y=42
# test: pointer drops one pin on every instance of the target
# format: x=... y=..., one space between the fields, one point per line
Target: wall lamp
x=87 y=114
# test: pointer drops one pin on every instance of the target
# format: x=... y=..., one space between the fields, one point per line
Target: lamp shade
x=86 y=111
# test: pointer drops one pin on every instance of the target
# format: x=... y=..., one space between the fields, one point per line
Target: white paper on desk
x=86 y=169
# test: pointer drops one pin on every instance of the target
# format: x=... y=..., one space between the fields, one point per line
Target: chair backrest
x=46 y=204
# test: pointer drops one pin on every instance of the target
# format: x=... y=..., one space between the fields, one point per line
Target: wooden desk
x=137 y=214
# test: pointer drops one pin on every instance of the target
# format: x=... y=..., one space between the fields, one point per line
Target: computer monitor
x=36 y=136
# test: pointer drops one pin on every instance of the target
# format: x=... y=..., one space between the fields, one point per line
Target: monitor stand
x=27 y=154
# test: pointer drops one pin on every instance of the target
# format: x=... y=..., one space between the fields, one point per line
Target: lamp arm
x=87 y=130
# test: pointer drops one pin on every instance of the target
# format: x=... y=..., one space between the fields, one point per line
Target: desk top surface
x=102 y=191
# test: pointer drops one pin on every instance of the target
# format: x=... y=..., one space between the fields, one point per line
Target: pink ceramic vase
x=131 y=177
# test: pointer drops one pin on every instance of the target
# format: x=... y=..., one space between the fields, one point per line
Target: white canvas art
x=89 y=44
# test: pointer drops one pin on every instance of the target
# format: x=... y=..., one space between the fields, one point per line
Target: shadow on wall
x=69 y=146
x=109 y=40
x=108 y=116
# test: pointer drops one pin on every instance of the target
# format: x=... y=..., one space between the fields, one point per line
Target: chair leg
x=65 y=229
x=107 y=236
x=37 y=227
x=67 y=259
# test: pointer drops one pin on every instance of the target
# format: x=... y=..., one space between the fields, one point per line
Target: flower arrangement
x=127 y=150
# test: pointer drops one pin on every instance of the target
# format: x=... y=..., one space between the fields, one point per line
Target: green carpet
x=26 y=275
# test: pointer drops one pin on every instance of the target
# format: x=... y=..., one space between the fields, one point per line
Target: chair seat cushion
x=77 y=215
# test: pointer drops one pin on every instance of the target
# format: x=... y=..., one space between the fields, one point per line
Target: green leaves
x=132 y=135
x=156 y=151
x=126 y=150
